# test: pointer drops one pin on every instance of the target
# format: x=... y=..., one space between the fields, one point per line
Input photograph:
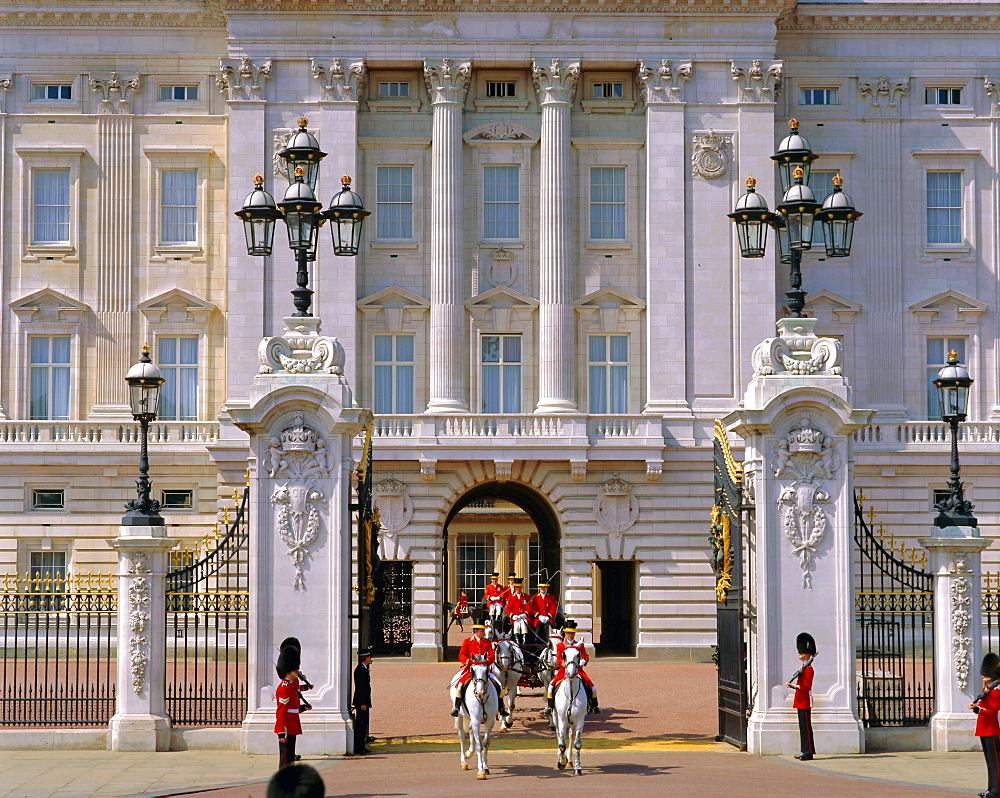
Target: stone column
x=955 y=563
x=140 y=722
x=798 y=425
x=521 y=558
x=501 y=550
x=6 y=81
x=302 y=424
x=447 y=83
x=555 y=83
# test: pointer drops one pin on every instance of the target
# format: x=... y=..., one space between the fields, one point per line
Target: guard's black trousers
x=806 y=743
x=360 y=729
x=991 y=750
x=286 y=750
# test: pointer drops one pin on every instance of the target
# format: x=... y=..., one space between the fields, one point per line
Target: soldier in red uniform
x=569 y=641
x=543 y=609
x=474 y=649
x=986 y=706
x=494 y=597
x=287 y=725
x=519 y=611
x=802 y=702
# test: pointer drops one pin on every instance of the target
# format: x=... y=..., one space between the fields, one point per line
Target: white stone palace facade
x=549 y=310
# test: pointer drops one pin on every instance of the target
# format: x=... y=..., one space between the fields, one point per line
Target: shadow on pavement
x=551 y=772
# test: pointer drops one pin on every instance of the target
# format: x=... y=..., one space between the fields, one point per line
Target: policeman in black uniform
x=362 y=701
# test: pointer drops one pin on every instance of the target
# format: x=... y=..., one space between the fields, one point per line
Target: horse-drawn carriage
x=533 y=648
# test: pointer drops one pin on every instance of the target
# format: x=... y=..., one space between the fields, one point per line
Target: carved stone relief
x=302 y=458
x=804 y=458
x=883 y=94
x=115 y=95
x=755 y=83
x=279 y=140
x=992 y=86
x=138 y=619
x=446 y=81
x=712 y=155
x=340 y=82
x=616 y=508
x=395 y=509
x=797 y=350
x=6 y=81
x=243 y=82
x=961 y=618
x=502 y=270
x=555 y=81
x=662 y=84
x=301 y=350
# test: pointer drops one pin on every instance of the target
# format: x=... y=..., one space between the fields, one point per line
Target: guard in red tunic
x=519 y=611
x=544 y=607
x=474 y=649
x=287 y=725
x=494 y=597
x=986 y=706
x=568 y=642
x=802 y=683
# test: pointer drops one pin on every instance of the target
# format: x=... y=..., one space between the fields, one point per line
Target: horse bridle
x=510 y=656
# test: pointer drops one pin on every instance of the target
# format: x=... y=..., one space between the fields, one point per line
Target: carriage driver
x=519 y=611
x=474 y=649
x=543 y=611
x=569 y=641
x=494 y=596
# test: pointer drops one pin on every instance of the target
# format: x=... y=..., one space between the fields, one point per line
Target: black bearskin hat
x=288 y=661
x=292 y=642
x=991 y=666
x=805 y=644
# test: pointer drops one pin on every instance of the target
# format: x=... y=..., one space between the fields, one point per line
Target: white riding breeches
x=520 y=624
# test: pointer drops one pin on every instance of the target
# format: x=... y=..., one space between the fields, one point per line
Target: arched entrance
x=502 y=526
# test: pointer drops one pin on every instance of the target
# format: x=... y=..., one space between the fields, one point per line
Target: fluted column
x=447 y=82
x=501 y=550
x=555 y=82
x=521 y=558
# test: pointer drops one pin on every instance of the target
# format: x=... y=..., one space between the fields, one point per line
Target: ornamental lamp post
x=302 y=151
x=796 y=213
x=952 y=383
x=144 y=380
x=347 y=214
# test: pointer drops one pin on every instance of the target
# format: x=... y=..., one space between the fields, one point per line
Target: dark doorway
x=617 y=608
x=391 y=612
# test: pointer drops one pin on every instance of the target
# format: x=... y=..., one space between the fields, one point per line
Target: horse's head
x=571 y=657
x=572 y=668
x=480 y=674
x=505 y=654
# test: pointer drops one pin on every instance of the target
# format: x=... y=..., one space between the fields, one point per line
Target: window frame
x=165 y=159
x=191 y=501
x=964 y=359
x=36 y=507
x=166 y=367
x=196 y=85
x=410 y=103
x=809 y=104
x=411 y=204
x=948 y=103
x=67 y=158
x=35 y=205
x=591 y=238
x=607 y=364
x=518 y=102
x=393 y=365
x=49 y=366
x=162 y=206
x=963 y=214
x=72 y=102
x=502 y=365
x=517 y=203
x=591 y=104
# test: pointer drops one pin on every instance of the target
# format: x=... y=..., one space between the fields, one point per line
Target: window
x=47 y=576
x=393 y=374
x=45 y=499
x=501 y=88
x=500 y=370
x=944 y=207
x=608 y=373
x=49 y=381
x=937 y=358
x=50 y=206
x=942 y=96
x=501 y=202
x=607 y=202
x=609 y=90
x=55 y=91
x=394 y=201
x=177 y=499
x=178 y=362
x=178 y=206
x=475 y=563
x=393 y=89
x=820 y=97
x=181 y=93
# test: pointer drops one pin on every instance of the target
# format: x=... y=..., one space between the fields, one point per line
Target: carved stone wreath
x=138 y=619
x=961 y=602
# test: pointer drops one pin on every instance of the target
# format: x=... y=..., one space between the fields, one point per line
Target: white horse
x=549 y=665
x=571 y=712
x=510 y=663
x=479 y=709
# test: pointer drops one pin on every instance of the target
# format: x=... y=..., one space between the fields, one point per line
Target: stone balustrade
x=89 y=432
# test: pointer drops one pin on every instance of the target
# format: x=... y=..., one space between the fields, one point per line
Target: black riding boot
x=458 y=704
x=552 y=702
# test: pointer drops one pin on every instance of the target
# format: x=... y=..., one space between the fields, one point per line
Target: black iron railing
x=894 y=627
x=991 y=612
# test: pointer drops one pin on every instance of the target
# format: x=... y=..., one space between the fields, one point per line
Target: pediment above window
x=394 y=307
x=501 y=309
x=831 y=308
x=606 y=309
x=501 y=132
x=177 y=307
x=50 y=307
x=949 y=306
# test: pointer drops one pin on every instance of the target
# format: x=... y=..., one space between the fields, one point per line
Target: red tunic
x=518 y=603
x=803 y=685
x=494 y=593
x=583 y=659
x=287 y=715
x=462 y=608
x=544 y=605
x=986 y=718
x=473 y=647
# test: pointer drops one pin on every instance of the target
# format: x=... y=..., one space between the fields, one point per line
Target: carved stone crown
x=390 y=487
x=805 y=439
x=298 y=438
x=617 y=487
x=502 y=254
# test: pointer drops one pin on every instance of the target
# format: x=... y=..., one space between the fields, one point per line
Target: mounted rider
x=519 y=612
x=474 y=649
x=569 y=642
x=494 y=596
x=544 y=607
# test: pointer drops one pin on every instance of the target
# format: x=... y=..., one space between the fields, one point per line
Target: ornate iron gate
x=392 y=610
x=726 y=538
x=207 y=625
x=368 y=561
x=894 y=627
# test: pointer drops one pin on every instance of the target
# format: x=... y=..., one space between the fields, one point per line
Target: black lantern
x=301 y=211
x=259 y=214
x=798 y=210
x=953 y=383
x=347 y=215
x=302 y=151
x=752 y=219
x=781 y=236
x=144 y=380
x=793 y=152
x=838 y=215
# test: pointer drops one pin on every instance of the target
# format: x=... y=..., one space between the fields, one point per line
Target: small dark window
x=393 y=88
x=47 y=500
x=175 y=93
x=52 y=92
x=942 y=96
x=609 y=90
x=175 y=499
x=500 y=88
x=939 y=495
x=820 y=97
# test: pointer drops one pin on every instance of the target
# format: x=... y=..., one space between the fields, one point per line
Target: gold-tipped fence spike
x=861 y=498
x=225 y=516
x=247 y=477
x=871 y=515
x=236 y=497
